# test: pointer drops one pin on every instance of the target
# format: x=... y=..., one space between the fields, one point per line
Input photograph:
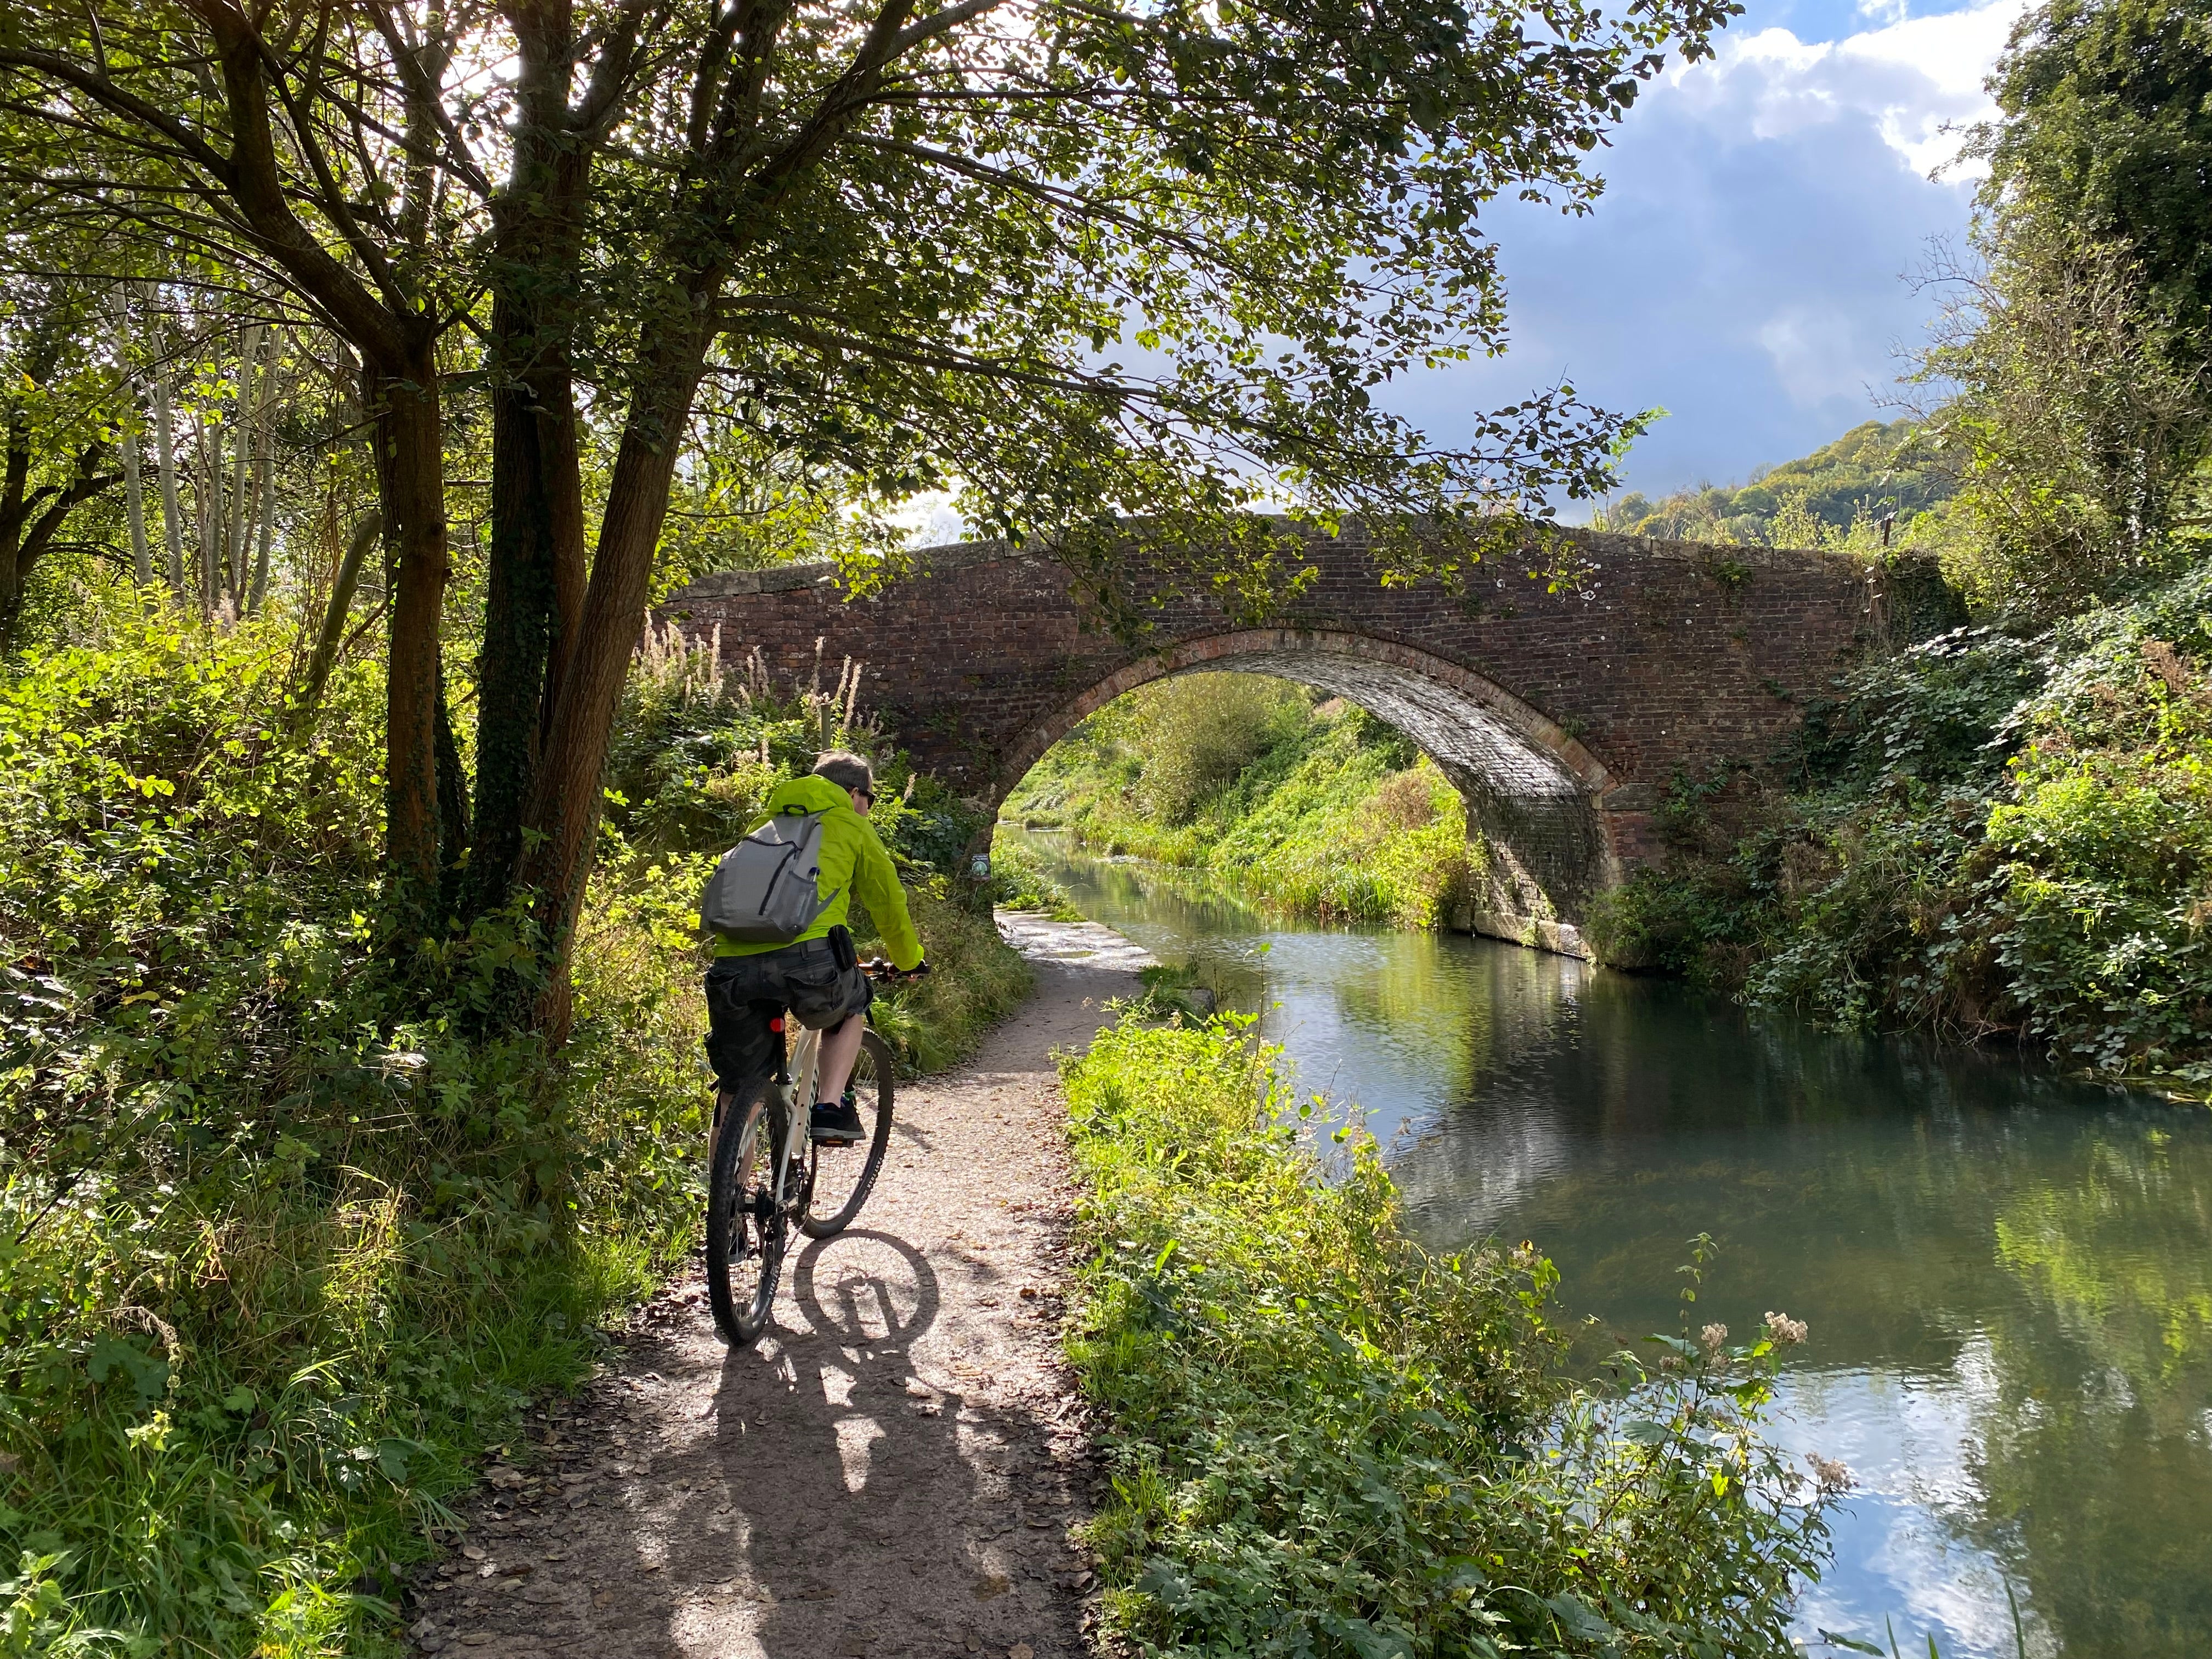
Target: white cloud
x=1918 y=81
x=1817 y=354
x=1743 y=269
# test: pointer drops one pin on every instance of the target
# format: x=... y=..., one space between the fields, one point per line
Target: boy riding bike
x=816 y=974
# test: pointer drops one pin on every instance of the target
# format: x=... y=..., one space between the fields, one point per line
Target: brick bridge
x=1560 y=717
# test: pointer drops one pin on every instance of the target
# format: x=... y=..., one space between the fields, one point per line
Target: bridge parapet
x=1561 y=717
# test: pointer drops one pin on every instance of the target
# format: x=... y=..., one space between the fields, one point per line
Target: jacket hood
x=809 y=793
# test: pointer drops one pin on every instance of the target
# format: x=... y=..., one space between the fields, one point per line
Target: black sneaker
x=837 y=1125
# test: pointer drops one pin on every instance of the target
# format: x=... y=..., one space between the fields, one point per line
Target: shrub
x=285 y=1249
x=286 y=1244
x=1338 y=816
x=1324 y=1441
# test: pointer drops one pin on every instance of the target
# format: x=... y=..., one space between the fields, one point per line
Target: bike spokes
x=844 y=1176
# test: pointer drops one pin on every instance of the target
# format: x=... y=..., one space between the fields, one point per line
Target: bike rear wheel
x=841 y=1178
x=746 y=1228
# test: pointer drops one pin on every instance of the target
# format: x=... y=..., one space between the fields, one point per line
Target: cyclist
x=817 y=976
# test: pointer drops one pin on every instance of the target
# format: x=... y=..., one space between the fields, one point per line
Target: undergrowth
x=1984 y=834
x=287 y=1241
x=1324 y=1441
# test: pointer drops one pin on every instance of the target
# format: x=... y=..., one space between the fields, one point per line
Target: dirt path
x=892 y=1472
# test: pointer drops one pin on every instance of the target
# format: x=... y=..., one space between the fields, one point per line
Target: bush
x=285 y=1250
x=1199 y=730
x=1020 y=882
x=286 y=1243
x=1324 y=1441
x=1987 y=835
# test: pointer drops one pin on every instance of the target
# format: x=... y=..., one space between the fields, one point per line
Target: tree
x=2074 y=435
x=909 y=245
x=55 y=446
x=2108 y=130
x=2075 y=340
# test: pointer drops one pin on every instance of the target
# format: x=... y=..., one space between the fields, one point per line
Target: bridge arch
x=1560 y=713
x=1533 y=791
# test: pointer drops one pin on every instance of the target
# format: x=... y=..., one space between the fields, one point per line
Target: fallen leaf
x=991 y=1584
x=1021 y=1650
x=603 y=1599
x=474 y=1552
x=503 y=1476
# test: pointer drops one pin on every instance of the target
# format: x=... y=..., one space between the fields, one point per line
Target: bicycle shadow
x=843 y=1512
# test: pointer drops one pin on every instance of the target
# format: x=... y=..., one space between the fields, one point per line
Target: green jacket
x=853 y=861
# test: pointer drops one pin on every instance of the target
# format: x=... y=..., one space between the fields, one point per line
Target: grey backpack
x=767 y=888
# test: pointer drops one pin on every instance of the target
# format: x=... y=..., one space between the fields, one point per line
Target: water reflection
x=2009 y=1276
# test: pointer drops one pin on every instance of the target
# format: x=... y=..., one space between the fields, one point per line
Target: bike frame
x=794 y=1085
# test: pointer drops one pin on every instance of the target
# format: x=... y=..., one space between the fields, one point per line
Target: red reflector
x=776 y=1024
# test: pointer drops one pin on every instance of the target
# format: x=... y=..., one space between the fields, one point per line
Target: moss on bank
x=1325 y=1442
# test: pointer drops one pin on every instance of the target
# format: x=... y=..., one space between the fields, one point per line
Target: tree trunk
x=265 y=464
x=535 y=582
x=410 y=477
x=566 y=801
x=244 y=408
x=164 y=442
x=134 y=497
x=211 y=515
x=325 y=654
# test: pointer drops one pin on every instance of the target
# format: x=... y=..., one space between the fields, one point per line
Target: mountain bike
x=767 y=1176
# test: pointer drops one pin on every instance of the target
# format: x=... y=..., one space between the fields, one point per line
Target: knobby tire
x=827 y=1182
x=746 y=1230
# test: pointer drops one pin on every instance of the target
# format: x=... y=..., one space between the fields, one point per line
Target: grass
x=289 y=1238
x=1319 y=810
x=1324 y=1441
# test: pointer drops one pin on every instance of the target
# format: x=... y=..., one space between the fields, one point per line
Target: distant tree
x=1871 y=472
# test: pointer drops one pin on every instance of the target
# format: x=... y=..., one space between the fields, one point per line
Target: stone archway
x=1559 y=713
x=1534 y=793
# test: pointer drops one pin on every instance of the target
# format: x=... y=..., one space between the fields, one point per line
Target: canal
x=2008 y=1274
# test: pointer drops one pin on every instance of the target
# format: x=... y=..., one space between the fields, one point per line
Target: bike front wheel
x=745 y=1225
x=841 y=1178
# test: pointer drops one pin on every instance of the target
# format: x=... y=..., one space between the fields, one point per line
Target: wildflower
x=1712 y=1336
x=1831 y=1475
x=1782 y=1328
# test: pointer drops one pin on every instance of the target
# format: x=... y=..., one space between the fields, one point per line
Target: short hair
x=847 y=771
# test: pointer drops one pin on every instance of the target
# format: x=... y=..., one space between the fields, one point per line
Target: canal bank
x=2009 y=1277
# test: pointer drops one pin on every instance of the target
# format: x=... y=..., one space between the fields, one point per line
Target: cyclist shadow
x=862 y=1528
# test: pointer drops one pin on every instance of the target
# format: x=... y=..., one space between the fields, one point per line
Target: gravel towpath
x=893 y=1471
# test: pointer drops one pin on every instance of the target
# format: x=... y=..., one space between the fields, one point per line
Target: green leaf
x=1850 y=1643
x=111 y=1353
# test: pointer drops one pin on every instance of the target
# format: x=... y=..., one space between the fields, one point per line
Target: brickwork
x=1560 y=716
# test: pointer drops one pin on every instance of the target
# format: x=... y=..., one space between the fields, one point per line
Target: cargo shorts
x=744 y=992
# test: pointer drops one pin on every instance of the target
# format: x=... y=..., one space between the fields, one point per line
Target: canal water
x=2007 y=1275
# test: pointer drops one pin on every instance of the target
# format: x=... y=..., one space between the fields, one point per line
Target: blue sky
x=1744 y=269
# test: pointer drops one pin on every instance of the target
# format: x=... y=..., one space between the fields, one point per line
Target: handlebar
x=882 y=969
